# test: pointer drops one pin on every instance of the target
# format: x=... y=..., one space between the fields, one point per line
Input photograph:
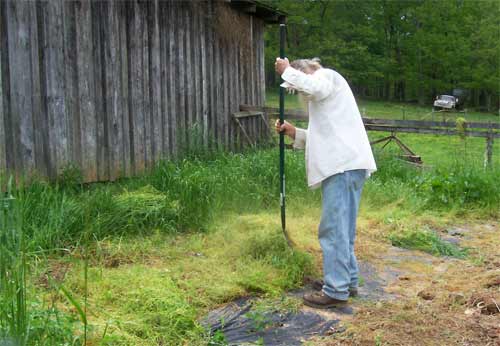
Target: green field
x=393 y=110
x=434 y=149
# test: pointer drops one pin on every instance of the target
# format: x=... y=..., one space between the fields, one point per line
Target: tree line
x=406 y=50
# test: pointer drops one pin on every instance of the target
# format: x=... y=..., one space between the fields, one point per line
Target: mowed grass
x=154 y=290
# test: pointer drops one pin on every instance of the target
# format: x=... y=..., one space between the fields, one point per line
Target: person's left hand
x=280 y=65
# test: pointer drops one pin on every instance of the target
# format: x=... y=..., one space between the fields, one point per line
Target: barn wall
x=112 y=86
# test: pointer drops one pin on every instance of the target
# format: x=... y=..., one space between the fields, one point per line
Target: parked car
x=445 y=102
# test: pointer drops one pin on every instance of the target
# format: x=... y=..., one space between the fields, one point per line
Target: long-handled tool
x=282 y=138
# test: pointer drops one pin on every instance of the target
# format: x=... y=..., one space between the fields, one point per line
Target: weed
x=217 y=339
x=427 y=241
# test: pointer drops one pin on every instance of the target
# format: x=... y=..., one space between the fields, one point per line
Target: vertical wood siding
x=115 y=86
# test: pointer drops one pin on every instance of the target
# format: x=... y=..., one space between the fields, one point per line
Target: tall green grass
x=458 y=186
x=184 y=195
x=24 y=320
x=13 y=308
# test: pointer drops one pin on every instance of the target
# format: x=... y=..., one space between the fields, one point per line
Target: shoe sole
x=318 y=286
x=324 y=306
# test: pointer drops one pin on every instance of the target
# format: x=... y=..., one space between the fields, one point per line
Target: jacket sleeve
x=300 y=138
x=317 y=85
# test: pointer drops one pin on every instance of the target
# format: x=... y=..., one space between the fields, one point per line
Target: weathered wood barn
x=114 y=86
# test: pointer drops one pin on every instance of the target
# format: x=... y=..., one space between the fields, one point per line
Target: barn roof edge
x=269 y=14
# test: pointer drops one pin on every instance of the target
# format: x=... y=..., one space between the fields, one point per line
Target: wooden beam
x=298 y=114
x=433 y=131
x=246 y=114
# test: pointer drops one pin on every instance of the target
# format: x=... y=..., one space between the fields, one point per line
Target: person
x=338 y=159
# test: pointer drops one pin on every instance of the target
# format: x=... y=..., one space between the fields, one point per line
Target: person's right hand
x=287 y=128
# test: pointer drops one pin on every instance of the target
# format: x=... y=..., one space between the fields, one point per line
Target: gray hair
x=304 y=64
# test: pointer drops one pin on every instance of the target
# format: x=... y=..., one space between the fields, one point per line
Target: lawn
x=141 y=261
x=392 y=110
x=434 y=149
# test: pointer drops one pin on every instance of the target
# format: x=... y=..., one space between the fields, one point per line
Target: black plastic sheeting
x=235 y=320
x=239 y=328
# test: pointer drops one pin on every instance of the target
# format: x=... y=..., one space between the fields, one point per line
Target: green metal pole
x=282 y=137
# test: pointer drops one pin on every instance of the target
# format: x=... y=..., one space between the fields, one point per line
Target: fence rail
x=487 y=130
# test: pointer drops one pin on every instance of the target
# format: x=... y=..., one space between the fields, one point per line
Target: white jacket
x=336 y=139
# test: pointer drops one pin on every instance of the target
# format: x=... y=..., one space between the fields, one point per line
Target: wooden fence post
x=489 y=151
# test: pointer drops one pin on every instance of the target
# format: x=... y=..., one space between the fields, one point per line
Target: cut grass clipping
x=427 y=241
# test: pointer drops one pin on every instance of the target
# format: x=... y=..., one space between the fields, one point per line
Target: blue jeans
x=341 y=194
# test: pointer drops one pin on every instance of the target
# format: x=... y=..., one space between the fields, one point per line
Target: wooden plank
x=99 y=90
x=232 y=94
x=257 y=65
x=236 y=94
x=299 y=114
x=86 y=85
x=5 y=133
x=251 y=66
x=155 y=84
x=181 y=76
x=3 y=158
x=189 y=75
x=18 y=21
x=225 y=117
x=125 y=99
x=219 y=104
x=71 y=84
x=14 y=149
x=204 y=78
x=173 y=71
x=41 y=121
x=426 y=123
x=136 y=88
x=164 y=71
x=262 y=66
x=246 y=114
x=212 y=78
x=197 y=37
x=147 y=101
x=369 y=125
x=430 y=131
x=114 y=104
x=241 y=76
x=55 y=74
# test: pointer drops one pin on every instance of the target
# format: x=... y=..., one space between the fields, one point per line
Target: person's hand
x=287 y=128
x=280 y=65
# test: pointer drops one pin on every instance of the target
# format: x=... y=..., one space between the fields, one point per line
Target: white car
x=445 y=102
